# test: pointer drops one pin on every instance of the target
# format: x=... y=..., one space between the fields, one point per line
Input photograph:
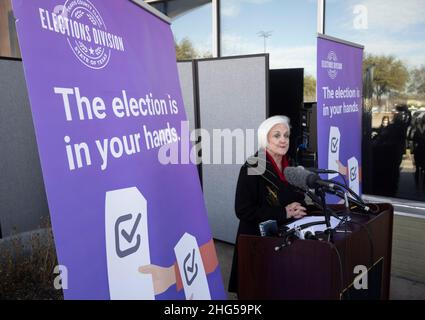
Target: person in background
x=385 y=121
x=262 y=192
x=419 y=147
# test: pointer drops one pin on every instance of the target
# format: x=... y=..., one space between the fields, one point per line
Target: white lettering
x=65 y=92
x=42 y=18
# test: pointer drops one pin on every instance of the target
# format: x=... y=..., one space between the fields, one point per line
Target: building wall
x=23 y=204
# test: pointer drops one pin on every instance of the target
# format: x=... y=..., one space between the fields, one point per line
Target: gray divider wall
x=185 y=69
x=232 y=95
x=23 y=204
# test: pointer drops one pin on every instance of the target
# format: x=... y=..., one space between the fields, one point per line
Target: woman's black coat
x=260 y=197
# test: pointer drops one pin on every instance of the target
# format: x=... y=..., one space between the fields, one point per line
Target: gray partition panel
x=232 y=95
x=185 y=69
x=23 y=204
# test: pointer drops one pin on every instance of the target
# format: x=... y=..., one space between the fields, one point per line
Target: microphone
x=314 y=181
x=297 y=177
x=304 y=179
x=321 y=171
x=309 y=236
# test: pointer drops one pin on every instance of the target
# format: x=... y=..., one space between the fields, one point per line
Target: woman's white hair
x=267 y=125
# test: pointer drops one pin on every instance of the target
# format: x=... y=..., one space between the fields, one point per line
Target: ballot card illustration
x=333 y=154
x=192 y=269
x=127 y=245
x=354 y=175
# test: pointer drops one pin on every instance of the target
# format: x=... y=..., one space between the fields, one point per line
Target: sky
x=395 y=27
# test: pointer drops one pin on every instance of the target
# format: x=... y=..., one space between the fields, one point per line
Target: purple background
x=77 y=199
x=350 y=125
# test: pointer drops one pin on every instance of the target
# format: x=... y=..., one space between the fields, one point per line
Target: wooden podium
x=314 y=269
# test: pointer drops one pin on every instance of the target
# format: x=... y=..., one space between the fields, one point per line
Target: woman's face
x=278 y=140
x=385 y=121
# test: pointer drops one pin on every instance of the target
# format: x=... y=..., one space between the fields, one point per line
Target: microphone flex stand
x=320 y=192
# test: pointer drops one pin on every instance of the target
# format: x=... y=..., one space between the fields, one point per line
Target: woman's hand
x=295 y=210
x=341 y=169
x=163 y=278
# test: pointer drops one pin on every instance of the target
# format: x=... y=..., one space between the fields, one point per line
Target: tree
x=390 y=74
x=309 y=88
x=185 y=50
x=417 y=81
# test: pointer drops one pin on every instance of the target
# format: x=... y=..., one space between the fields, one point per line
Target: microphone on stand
x=321 y=171
x=305 y=180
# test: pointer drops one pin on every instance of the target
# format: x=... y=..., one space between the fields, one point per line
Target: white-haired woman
x=262 y=191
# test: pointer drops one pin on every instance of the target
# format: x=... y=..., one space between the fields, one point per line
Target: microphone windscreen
x=297 y=176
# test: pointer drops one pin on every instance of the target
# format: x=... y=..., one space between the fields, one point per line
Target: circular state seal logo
x=89 y=39
x=332 y=71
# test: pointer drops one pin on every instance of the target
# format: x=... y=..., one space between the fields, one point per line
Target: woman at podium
x=262 y=192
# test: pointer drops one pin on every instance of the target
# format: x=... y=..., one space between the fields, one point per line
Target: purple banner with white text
x=105 y=98
x=339 y=111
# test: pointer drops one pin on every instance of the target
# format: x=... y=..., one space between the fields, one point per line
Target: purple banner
x=105 y=97
x=339 y=110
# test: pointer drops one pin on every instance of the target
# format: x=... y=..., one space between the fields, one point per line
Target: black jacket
x=260 y=197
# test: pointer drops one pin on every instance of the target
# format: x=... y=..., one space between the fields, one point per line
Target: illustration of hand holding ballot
x=188 y=272
x=352 y=171
x=127 y=246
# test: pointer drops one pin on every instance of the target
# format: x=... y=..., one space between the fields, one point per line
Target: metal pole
x=216 y=29
x=321 y=16
x=265 y=35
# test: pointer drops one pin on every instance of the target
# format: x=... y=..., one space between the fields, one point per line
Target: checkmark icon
x=353 y=173
x=191 y=270
x=128 y=238
x=334 y=145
